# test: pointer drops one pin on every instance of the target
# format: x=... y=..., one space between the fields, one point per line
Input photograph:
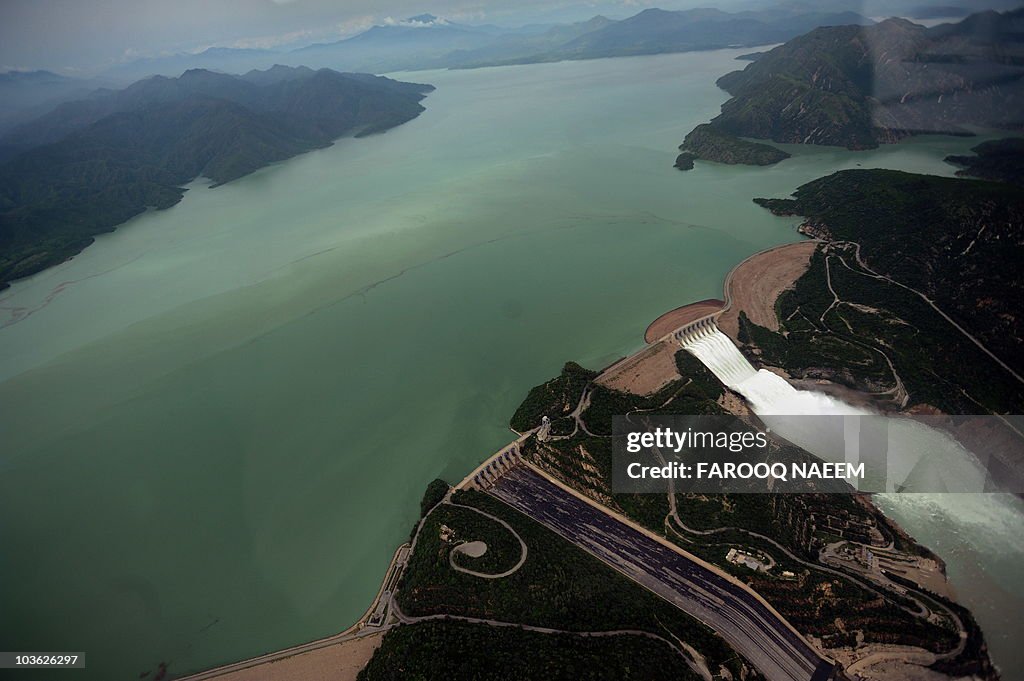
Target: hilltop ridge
x=91 y=164
x=861 y=86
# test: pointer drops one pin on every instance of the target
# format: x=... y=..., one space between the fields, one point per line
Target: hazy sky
x=88 y=35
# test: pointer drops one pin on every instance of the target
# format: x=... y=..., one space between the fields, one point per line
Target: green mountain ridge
x=861 y=86
x=658 y=31
x=707 y=142
x=120 y=153
x=958 y=242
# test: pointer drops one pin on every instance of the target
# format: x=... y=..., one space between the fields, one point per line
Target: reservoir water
x=216 y=422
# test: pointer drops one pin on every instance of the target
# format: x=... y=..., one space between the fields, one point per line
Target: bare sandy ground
x=473 y=549
x=879 y=662
x=337 y=662
x=645 y=372
x=756 y=283
x=673 y=319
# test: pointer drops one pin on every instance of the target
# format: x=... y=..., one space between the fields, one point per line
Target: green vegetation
x=711 y=144
x=817 y=602
x=695 y=393
x=684 y=161
x=459 y=651
x=433 y=495
x=973 y=659
x=559 y=586
x=957 y=242
x=464 y=525
x=554 y=399
x=999 y=160
x=828 y=86
x=90 y=165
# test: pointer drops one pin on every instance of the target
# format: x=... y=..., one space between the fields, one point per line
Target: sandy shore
x=673 y=319
x=337 y=662
x=757 y=282
x=643 y=373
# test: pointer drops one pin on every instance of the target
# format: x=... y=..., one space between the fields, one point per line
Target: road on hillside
x=738 y=616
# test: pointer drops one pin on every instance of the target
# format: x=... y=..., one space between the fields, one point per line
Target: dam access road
x=745 y=621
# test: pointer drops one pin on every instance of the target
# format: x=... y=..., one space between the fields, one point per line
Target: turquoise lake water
x=218 y=420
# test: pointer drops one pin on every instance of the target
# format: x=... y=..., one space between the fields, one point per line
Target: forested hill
x=958 y=242
x=859 y=86
x=92 y=164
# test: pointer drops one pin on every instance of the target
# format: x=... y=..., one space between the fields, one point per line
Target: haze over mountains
x=91 y=164
x=426 y=42
x=860 y=86
x=83 y=166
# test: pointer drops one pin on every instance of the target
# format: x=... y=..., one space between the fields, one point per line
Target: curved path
x=739 y=615
x=410 y=619
x=484 y=575
x=931 y=303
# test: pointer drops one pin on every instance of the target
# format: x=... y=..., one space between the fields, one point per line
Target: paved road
x=523 y=550
x=732 y=611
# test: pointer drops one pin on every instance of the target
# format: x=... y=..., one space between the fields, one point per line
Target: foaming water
x=917 y=458
x=309 y=346
x=975 y=534
x=767 y=393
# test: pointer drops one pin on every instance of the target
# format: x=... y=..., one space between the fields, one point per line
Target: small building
x=740 y=557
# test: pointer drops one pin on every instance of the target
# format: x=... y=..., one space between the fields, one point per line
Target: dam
x=768 y=394
x=910 y=457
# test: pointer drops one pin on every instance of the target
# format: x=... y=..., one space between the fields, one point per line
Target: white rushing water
x=231 y=383
x=970 y=532
x=917 y=458
x=768 y=393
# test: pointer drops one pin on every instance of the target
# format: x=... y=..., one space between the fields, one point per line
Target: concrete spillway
x=716 y=351
x=767 y=393
x=917 y=458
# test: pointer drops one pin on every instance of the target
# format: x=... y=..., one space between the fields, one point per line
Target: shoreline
x=682 y=316
x=361 y=629
x=766 y=273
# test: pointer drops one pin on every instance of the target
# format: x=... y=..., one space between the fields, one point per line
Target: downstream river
x=218 y=420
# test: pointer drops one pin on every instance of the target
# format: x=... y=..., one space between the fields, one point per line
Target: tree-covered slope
x=859 y=86
x=957 y=242
x=711 y=144
x=999 y=160
x=93 y=164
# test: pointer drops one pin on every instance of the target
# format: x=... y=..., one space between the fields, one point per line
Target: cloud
x=265 y=42
x=420 y=21
x=354 y=25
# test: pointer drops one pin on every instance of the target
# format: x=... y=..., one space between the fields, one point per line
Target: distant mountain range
x=27 y=94
x=860 y=86
x=91 y=164
x=656 y=31
x=428 y=42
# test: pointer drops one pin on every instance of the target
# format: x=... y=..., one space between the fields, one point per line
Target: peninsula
x=91 y=164
x=831 y=87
